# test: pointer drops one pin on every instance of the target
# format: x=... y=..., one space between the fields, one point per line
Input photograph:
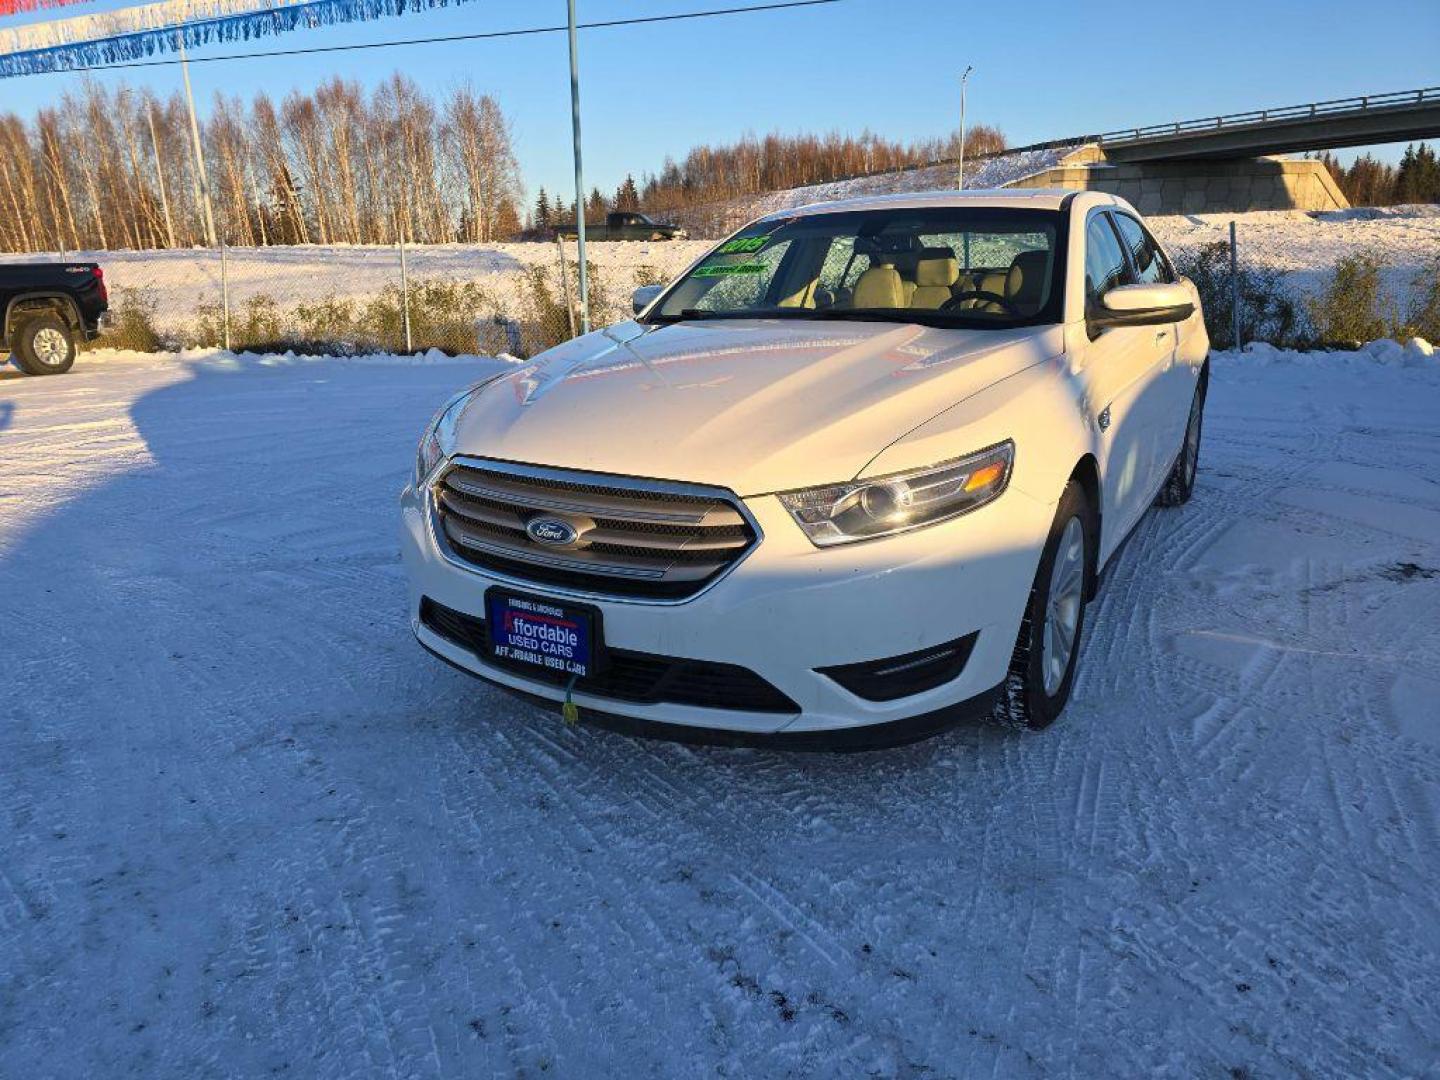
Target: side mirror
x=1142 y=305
x=644 y=296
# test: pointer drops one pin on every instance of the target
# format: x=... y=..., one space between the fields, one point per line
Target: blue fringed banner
x=139 y=32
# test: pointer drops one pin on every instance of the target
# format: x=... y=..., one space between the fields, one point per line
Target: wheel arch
x=1087 y=474
x=40 y=301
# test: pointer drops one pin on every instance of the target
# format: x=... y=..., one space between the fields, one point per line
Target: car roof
x=1007 y=198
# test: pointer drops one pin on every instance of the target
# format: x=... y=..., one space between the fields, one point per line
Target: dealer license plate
x=536 y=632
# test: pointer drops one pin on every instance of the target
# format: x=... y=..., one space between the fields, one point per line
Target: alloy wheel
x=1062 y=612
x=50 y=347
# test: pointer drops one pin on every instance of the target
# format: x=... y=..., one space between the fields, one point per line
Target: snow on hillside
x=986 y=173
x=248 y=827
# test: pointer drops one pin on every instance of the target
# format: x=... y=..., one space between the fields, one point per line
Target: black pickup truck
x=628 y=225
x=47 y=308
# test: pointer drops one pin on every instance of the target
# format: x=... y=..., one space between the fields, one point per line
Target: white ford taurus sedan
x=853 y=476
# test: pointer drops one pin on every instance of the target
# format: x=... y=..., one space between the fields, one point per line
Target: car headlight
x=438 y=442
x=863 y=509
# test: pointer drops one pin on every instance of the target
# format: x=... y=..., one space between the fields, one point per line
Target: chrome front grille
x=632 y=538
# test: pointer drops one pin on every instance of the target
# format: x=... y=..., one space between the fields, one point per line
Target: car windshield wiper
x=691 y=314
x=920 y=316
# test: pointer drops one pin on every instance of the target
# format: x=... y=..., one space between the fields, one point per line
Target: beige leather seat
x=1025 y=282
x=879 y=287
x=935 y=277
x=904 y=266
x=908 y=266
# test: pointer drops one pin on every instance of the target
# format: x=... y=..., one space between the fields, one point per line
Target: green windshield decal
x=742 y=245
x=733 y=268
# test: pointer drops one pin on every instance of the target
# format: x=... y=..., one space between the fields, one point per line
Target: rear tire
x=1180 y=484
x=1047 y=649
x=44 y=345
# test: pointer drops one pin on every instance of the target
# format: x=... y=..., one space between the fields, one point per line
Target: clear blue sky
x=1043 y=69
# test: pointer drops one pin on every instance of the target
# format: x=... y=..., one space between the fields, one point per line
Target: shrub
x=548 y=322
x=208 y=328
x=1351 y=309
x=134 y=327
x=1422 y=318
x=1268 y=312
x=443 y=315
x=329 y=325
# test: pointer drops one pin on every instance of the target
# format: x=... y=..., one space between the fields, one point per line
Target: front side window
x=943 y=266
x=1150 y=265
x=1105 y=266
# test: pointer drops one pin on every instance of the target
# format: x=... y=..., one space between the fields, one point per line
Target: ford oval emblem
x=551 y=531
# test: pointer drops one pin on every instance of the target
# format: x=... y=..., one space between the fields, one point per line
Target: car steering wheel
x=979 y=294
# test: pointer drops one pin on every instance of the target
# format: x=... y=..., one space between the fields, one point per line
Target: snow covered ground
x=247 y=826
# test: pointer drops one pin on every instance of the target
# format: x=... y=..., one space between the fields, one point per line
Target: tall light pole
x=960 y=170
x=199 y=151
x=579 y=177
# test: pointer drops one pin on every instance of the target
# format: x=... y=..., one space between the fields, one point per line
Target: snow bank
x=226 y=359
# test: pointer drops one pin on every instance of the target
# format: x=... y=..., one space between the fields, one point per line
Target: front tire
x=44 y=345
x=1042 y=667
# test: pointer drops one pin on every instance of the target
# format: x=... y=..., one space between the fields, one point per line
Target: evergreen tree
x=1418 y=178
x=595 y=206
x=542 y=212
x=627 y=196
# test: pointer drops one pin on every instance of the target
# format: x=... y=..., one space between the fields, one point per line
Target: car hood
x=755 y=406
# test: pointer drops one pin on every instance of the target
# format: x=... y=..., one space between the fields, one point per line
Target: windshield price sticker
x=732 y=268
x=742 y=245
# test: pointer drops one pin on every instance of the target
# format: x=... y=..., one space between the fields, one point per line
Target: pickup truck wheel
x=1042 y=667
x=44 y=346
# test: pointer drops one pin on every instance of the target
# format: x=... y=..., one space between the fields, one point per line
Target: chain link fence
x=1321 y=281
x=515 y=299
x=1327 y=279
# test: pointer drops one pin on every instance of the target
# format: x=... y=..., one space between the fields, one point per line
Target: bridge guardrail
x=1360 y=104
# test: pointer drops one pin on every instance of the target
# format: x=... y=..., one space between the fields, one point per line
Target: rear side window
x=1105 y=266
x=1150 y=265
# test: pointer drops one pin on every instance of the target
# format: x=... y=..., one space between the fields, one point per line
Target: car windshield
x=961 y=266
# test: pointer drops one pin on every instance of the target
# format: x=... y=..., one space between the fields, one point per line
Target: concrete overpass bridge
x=1222 y=164
x=1321 y=125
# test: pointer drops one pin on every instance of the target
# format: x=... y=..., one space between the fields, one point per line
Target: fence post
x=225 y=289
x=405 y=293
x=1234 y=289
x=565 y=283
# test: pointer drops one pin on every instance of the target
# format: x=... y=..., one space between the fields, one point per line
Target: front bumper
x=789 y=609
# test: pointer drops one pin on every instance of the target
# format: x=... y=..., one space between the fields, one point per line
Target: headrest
x=942 y=270
x=878 y=287
x=1026 y=280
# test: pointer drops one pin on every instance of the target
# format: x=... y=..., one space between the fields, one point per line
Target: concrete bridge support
x=1210 y=186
